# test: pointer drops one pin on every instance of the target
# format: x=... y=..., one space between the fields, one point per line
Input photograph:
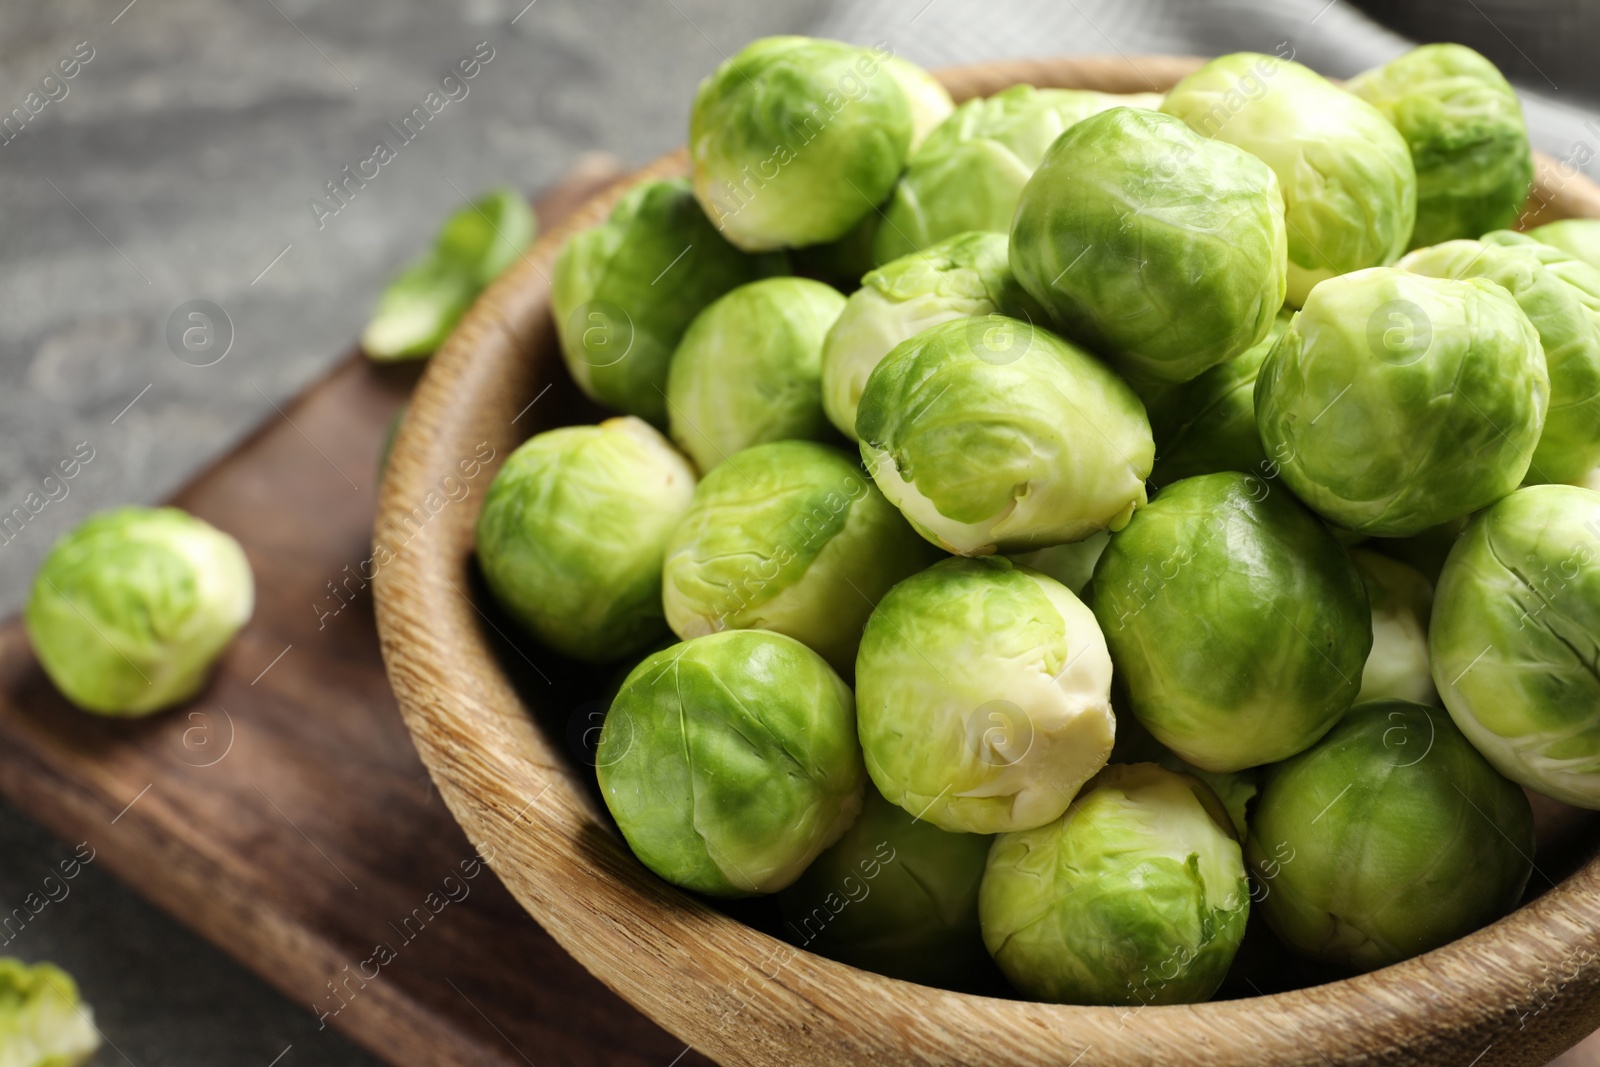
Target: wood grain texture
x=1517 y=992
x=284 y=815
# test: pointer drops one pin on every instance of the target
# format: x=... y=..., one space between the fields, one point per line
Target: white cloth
x=1332 y=38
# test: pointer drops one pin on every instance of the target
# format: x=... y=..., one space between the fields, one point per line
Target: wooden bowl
x=1518 y=992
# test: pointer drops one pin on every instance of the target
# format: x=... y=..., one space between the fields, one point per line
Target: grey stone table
x=179 y=162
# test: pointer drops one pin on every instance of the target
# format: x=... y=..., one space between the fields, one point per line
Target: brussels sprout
x=794 y=139
x=129 y=610
x=423 y=303
x=1348 y=183
x=1389 y=838
x=1208 y=424
x=749 y=369
x=984 y=696
x=1566 y=314
x=1070 y=564
x=792 y=537
x=1463 y=124
x=623 y=292
x=1137 y=895
x=730 y=761
x=573 y=531
x=991 y=434
x=968 y=173
x=1235 y=620
x=964 y=276
x=1578 y=238
x=1395 y=402
x=1591 y=481
x=1513 y=639
x=43 y=1020
x=1159 y=249
x=896 y=895
x=1402 y=600
x=929 y=100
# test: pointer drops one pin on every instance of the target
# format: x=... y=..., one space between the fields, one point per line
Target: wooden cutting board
x=284 y=815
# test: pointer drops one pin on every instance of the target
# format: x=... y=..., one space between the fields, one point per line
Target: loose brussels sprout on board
x=1151 y=245
x=1385 y=382
x=984 y=696
x=43 y=1020
x=1564 y=306
x=420 y=307
x=573 y=531
x=895 y=895
x=623 y=292
x=129 y=610
x=1208 y=424
x=1389 y=838
x=794 y=140
x=791 y=537
x=1578 y=238
x=749 y=369
x=968 y=173
x=1349 y=186
x=1513 y=637
x=1136 y=896
x=963 y=276
x=730 y=761
x=994 y=435
x=1402 y=600
x=1462 y=122
x=1235 y=620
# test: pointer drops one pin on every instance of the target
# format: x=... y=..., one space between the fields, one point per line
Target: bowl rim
x=1523 y=988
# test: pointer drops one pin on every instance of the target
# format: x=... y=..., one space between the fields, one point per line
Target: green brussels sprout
x=1155 y=247
x=623 y=292
x=968 y=173
x=1566 y=315
x=730 y=762
x=1395 y=402
x=1591 y=481
x=1071 y=564
x=896 y=895
x=983 y=692
x=1463 y=124
x=1391 y=837
x=794 y=140
x=749 y=369
x=994 y=435
x=1137 y=895
x=422 y=304
x=573 y=532
x=1234 y=619
x=1349 y=186
x=43 y=1020
x=792 y=537
x=1402 y=600
x=1578 y=238
x=929 y=100
x=129 y=610
x=1512 y=639
x=1208 y=424
x=958 y=278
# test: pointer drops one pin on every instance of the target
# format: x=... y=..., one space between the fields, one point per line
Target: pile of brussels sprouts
x=1074 y=511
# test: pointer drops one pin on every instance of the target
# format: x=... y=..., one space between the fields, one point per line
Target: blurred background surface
x=180 y=164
